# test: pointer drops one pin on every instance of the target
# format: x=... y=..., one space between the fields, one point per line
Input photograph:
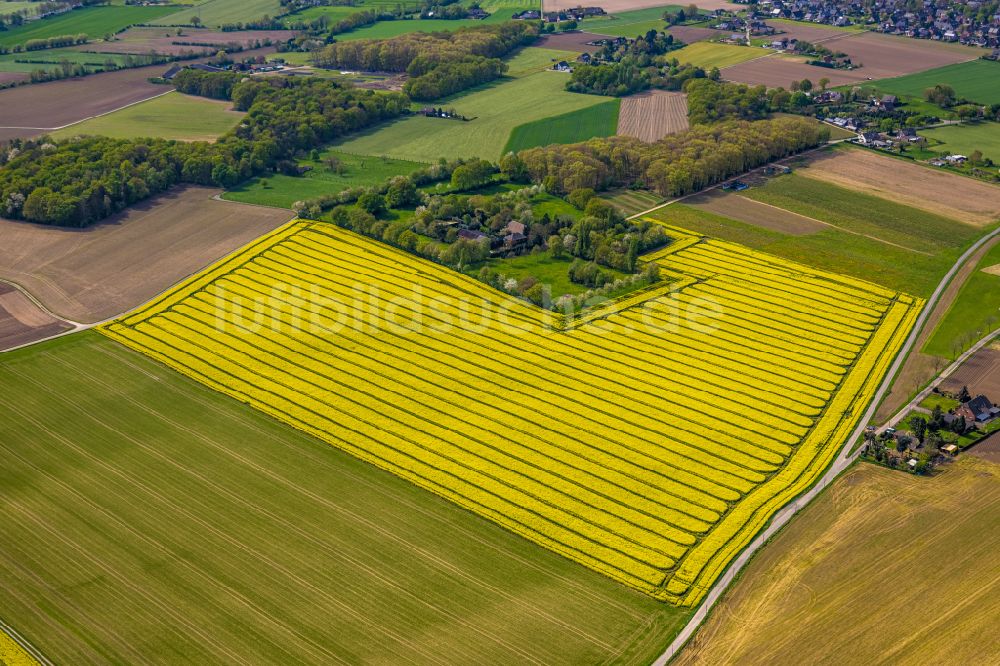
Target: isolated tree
x=941 y=94
x=196 y=21
x=806 y=85
x=823 y=83
x=555 y=244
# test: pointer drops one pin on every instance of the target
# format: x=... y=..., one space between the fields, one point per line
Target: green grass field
x=500 y=12
x=598 y=120
x=145 y=514
x=966 y=138
x=977 y=80
x=897 y=246
x=283 y=191
x=214 y=13
x=497 y=107
x=975 y=312
x=52 y=57
x=631 y=23
x=10 y=6
x=170 y=116
x=631 y=202
x=709 y=54
x=93 y=21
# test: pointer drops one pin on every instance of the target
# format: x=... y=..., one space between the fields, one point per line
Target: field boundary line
x=834 y=226
x=99 y=115
x=842 y=461
x=25 y=644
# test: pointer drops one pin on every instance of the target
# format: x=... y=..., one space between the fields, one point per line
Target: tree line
x=676 y=165
x=439 y=63
x=76 y=183
x=711 y=101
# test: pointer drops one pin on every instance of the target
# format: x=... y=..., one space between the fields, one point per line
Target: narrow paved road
x=844 y=459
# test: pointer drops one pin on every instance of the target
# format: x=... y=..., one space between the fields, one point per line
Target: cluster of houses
x=510 y=239
x=975 y=413
x=574 y=14
x=942 y=20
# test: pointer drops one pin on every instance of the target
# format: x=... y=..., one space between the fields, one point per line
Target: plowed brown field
x=970 y=201
x=21 y=321
x=652 y=115
x=88 y=275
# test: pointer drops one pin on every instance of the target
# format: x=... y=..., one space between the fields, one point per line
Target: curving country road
x=844 y=459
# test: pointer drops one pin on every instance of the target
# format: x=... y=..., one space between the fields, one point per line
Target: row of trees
x=77 y=183
x=439 y=63
x=627 y=77
x=676 y=165
x=55 y=42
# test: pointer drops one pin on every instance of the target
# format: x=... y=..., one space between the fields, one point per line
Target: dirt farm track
x=92 y=274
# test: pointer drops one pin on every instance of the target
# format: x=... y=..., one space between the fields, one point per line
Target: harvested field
x=569 y=41
x=166 y=41
x=22 y=322
x=48 y=106
x=981 y=373
x=690 y=34
x=756 y=213
x=92 y=274
x=652 y=115
x=775 y=71
x=992 y=270
x=957 y=197
x=877 y=544
x=613 y=6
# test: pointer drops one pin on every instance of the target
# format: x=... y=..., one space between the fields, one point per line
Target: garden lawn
x=975 y=312
x=976 y=80
x=214 y=13
x=170 y=116
x=596 y=121
x=95 y=22
x=282 y=191
x=967 y=138
x=181 y=523
x=709 y=54
x=496 y=108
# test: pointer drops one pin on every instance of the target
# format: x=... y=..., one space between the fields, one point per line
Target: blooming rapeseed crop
x=650 y=441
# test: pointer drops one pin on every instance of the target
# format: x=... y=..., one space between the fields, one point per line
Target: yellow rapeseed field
x=649 y=440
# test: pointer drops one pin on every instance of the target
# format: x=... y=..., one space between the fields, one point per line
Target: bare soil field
x=689 y=34
x=759 y=214
x=30 y=110
x=817 y=34
x=89 y=275
x=964 y=199
x=877 y=544
x=569 y=41
x=988 y=449
x=981 y=373
x=12 y=77
x=22 y=322
x=614 y=6
x=166 y=41
x=883 y=56
x=652 y=115
x=775 y=72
